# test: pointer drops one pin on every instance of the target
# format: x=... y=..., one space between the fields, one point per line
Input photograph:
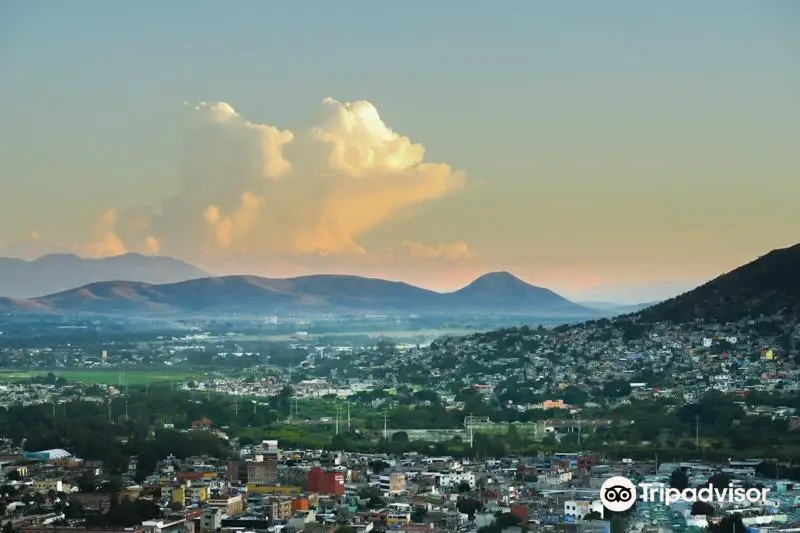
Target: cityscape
x=567 y=302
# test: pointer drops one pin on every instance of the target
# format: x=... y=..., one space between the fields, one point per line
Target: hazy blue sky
x=593 y=147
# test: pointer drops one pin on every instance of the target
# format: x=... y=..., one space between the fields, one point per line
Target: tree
x=87 y=483
x=418 y=514
x=73 y=509
x=702 y=508
x=378 y=466
x=469 y=507
x=373 y=496
x=679 y=479
x=464 y=487
x=618 y=524
x=504 y=520
x=400 y=436
x=573 y=395
x=345 y=529
x=616 y=388
x=720 y=480
x=592 y=515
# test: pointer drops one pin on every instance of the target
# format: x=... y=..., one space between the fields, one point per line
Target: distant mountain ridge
x=616 y=307
x=498 y=292
x=54 y=273
x=769 y=285
x=502 y=289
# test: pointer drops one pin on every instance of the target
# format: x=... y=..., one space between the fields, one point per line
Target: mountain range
x=498 y=292
x=54 y=273
x=767 y=286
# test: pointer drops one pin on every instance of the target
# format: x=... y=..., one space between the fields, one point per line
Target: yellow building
x=198 y=493
x=179 y=495
x=397 y=517
x=281 y=490
x=46 y=485
x=232 y=505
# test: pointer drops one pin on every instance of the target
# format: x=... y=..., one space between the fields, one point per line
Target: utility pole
x=697 y=431
x=348 y=416
x=109 y=410
x=470 y=426
x=384 y=425
x=337 y=419
x=236 y=408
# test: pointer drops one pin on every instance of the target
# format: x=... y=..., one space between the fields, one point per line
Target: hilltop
x=768 y=286
x=251 y=295
x=54 y=273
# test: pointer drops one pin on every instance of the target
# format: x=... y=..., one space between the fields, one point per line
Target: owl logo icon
x=618 y=494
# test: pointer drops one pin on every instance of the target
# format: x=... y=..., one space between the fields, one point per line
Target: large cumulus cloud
x=257 y=192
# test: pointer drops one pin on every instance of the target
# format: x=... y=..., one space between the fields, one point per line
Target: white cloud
x=255 y=193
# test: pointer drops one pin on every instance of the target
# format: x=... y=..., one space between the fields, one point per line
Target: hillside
x=250 y=295
x=53 y=273
x=767 y=286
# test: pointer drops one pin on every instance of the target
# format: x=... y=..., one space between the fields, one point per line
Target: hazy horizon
x=623 y=295
x=622 y=152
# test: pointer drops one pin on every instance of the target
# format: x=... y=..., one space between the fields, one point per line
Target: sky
x=620 y=151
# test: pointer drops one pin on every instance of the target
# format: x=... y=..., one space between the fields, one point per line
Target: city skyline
x=622 y=152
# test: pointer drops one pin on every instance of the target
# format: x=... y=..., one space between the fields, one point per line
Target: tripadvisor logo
x=619 y=493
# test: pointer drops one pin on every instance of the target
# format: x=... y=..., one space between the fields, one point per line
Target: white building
x=580 y=508
x=454 y=479
x=212 y=518
x=554 y=479
x=394 y=483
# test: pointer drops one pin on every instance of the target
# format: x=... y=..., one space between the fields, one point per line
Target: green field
x=105 y=376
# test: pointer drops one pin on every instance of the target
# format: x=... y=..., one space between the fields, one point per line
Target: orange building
x=325 y=482
x=553 y=404
x=300 y=504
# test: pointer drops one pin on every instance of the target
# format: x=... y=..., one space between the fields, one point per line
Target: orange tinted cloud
x=456 y=251
x=255 y=192
x=105 y=241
